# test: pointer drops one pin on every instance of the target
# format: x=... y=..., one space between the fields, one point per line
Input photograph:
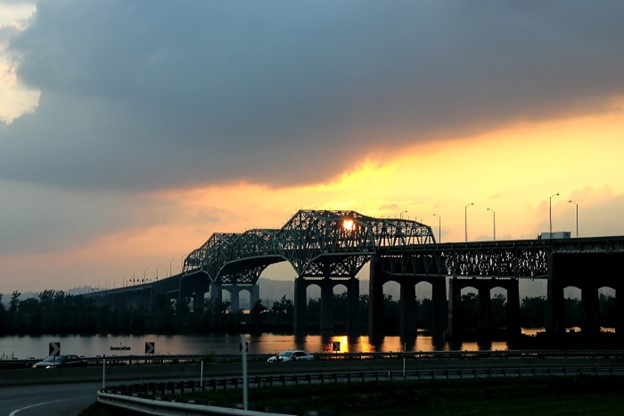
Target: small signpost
x=336 y=346
x=54 y=349
x=150 y=347
x=243 y=342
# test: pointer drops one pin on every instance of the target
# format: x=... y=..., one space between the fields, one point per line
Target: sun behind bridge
x=347 y=224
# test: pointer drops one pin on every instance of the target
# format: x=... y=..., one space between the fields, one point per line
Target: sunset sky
x=132 y=130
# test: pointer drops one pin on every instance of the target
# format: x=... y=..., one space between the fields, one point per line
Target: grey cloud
x=150 y=94
x=35 y=219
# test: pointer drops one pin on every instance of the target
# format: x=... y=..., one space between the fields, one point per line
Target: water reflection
x=21 y=347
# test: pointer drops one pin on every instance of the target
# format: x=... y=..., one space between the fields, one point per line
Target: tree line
x=55 y=312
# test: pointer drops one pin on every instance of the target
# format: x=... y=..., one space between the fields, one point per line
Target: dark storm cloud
x=149 y=94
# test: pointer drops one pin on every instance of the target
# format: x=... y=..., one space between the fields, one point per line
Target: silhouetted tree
x=256 y=315
x=533 y=312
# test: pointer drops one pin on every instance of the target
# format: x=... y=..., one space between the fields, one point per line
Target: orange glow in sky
x=512 y=170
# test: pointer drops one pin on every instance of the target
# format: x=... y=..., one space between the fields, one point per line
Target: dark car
x=61 y=361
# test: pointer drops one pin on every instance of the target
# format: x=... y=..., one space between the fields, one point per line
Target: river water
x=24 y=347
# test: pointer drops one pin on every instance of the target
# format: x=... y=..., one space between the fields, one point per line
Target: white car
x=291 y=355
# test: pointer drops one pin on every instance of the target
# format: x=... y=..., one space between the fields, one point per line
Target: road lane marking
x=14 y=412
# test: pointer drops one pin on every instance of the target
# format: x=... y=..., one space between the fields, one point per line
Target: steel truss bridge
x=316 y=243
x=328 y=248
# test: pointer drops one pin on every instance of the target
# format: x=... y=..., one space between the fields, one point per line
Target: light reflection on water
x=21 y=347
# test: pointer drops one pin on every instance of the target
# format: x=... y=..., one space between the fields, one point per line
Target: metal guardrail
x=431 y=355
x=158 y=407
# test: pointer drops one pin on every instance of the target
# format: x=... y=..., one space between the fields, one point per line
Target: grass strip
x=552 y=396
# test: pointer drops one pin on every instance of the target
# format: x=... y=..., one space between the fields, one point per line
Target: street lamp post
x=550 y=211
x=493 y=222
x=466 y=220
x=439 y=228
x=401 y=214
x=572 y=202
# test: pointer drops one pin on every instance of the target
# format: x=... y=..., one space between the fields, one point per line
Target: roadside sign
x=150 y=347
x=54 y=349
x=240 y=346
x=336 y=346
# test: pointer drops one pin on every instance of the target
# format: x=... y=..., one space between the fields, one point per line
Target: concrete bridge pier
x=587 y=272
x=454 y=309
x=301 y=323
x=375 y=299
x=591 y=309
x=619 y=309
x=513 y=308
x=485 y=308
x=440 y=307
x=407 y=309
x=353 y=298
x=254 y=295
x=327 y=304
x=215 y=292
x=234 y=298
x=198 y=301
x=484 y=286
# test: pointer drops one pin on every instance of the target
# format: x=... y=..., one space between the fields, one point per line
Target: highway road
x=28 y=392
x=47 y=399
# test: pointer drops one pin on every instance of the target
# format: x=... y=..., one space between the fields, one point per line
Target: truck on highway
x=554 y=235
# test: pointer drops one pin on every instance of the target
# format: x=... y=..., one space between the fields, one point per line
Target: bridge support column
x=234 y=298
x=555 y=322
x=327 y=304
x=589 y=298
x=485 y=308
x=375 y=299
x=301 y=323
x=353 y=298
x=198 y=301
x=438 y=295
x=513 y=309
x=619 y=310
x=254 y=295
x=408 y=310
x=215 y=292
x=454 y=309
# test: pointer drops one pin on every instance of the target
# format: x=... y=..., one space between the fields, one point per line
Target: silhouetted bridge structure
x=329 y=248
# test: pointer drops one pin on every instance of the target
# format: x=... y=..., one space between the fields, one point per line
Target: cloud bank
x=147 y=95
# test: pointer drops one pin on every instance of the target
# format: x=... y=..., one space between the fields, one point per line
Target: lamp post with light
x=572 y=202
x=493 y=223
x=401 y=214
x=439 y=228
x=466 y=220
x=550 y=211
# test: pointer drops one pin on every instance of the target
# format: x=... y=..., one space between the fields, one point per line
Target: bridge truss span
x=513 y=259
x=317 y=243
